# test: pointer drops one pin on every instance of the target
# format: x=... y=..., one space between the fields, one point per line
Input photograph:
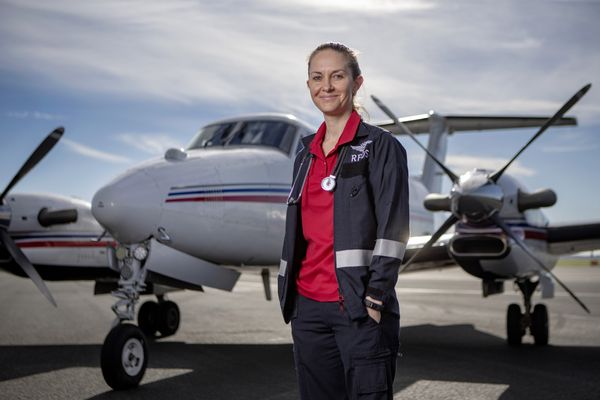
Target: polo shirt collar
x=347 y=136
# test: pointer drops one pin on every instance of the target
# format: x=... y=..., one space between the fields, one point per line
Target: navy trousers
x=340 y=359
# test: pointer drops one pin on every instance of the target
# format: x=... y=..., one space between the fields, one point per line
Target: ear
x=358 y=83
x=307 y=84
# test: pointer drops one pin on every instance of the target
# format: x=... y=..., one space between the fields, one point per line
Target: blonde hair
x=352 y=58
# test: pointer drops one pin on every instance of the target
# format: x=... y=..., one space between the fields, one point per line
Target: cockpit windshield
x=276 y=134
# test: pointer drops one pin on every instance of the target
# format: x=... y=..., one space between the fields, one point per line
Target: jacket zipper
x=340 y=294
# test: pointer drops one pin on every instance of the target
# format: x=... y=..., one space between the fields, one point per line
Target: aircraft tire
x=539 y=325
x=148 y=318
x=124 y=357
x=168 y=318
x=514 y=325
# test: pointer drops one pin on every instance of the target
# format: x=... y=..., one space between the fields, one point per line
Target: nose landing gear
x=535 y=320
x=124 y=355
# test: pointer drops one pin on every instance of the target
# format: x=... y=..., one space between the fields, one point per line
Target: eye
x=338 y=76
x=316 y=78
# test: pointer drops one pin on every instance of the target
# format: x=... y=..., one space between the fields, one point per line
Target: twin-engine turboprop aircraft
x=175 y=222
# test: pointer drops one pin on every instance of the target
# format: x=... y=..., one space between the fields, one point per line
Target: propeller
x=498 y=221
x=35 y=158
x=477 y=198
x=12 y=248
x=403 y=128
x=562 y=111
x=434 y=238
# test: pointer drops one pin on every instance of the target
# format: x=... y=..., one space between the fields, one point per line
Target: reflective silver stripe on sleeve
x=282 y=267
x=353 y=258
x=389 y=248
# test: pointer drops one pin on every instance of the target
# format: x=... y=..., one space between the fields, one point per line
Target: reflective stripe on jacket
x=371 y=223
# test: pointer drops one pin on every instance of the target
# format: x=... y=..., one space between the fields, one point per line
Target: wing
x=573 y=238
x=461 y=123
x=434 y=258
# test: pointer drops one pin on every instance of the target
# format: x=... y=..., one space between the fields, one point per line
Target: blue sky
x=129 y=79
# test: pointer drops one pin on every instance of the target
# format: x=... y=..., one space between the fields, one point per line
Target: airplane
x=178 y=221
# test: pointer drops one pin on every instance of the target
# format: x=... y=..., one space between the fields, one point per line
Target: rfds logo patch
x=362 y=151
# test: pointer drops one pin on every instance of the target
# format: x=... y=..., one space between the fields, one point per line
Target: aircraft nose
x=129 y=207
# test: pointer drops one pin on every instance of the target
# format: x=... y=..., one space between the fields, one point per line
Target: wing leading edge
x=573 y=238
x=461 y=123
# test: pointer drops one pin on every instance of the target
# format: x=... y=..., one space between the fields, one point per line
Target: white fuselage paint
x=223 y=205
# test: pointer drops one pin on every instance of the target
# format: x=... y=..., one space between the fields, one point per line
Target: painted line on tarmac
x=478 y=292
x=442 y=390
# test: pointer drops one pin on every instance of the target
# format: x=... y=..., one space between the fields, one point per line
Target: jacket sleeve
x=388 y=176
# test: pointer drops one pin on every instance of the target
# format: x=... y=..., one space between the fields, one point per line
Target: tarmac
x=236 y=346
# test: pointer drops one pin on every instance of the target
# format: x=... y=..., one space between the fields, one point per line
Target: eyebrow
x=333 y=72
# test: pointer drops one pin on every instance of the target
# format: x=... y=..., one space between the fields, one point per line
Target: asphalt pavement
x=235 y=345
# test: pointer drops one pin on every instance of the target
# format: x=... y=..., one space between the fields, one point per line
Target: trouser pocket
x=372 y=376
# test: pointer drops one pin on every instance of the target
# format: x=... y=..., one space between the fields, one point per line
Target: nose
x=129 y=207
x=327 y=85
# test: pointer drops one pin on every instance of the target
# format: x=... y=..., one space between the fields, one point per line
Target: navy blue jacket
x=371 y=223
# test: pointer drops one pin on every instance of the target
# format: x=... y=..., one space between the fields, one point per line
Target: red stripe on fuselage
x=539 y=235
x=253 y=199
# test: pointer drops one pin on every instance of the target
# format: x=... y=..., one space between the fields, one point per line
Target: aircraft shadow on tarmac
x=452 y=353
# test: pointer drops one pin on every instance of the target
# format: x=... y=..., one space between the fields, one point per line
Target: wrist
x=373 y=304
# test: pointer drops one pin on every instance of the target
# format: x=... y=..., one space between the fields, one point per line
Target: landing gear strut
x=124 y=353
x=535 y=320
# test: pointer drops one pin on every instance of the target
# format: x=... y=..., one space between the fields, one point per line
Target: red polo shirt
x=317 y=279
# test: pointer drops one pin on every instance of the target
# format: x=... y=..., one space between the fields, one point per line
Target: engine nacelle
x=541 y=198
x=437 y=202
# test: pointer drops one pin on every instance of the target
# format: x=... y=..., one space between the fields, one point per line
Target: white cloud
x=154 y=144
x=463 y=163
x=454 y=57
x=569 y=148
x=571 y=141
x=90 y=152
x=33 y=114
x=361 y=6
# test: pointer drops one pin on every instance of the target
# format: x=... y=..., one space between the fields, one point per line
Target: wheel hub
x=133 y=356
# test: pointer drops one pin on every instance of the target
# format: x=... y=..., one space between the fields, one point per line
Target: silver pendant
x=328 y=184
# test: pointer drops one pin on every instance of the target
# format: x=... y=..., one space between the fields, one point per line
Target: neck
x=335 y=125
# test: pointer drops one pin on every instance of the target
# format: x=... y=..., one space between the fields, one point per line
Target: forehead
x=326 y=60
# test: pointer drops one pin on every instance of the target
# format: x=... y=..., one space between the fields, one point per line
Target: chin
x=331 y=109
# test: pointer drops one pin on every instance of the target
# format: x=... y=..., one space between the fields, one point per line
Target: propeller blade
x=35 y=158
x=496 y=175
x=434 y=238
x=407 y=131
x=523 y=246
x=24 y=263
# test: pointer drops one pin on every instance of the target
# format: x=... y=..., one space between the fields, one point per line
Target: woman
x=346 y=231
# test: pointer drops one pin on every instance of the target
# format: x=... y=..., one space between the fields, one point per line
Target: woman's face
x=330 y=82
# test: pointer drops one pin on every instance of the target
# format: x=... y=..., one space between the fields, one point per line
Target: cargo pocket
x=371 y=375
